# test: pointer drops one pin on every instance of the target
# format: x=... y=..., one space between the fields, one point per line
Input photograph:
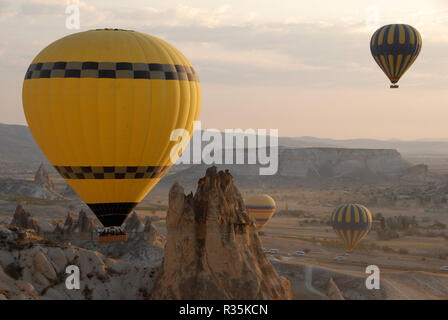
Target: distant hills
x=414 y=147
x=19 y=153
x=308 y=167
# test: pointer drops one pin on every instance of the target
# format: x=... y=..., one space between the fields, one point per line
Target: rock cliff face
x=309 y=166
x=42 y=187
x=418 y=173
x=337 y=162
x=25 y=188
x=144 y=244
x=35 y=268
x=213 y=250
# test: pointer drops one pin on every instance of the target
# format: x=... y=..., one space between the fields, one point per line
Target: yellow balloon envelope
x=101 y=105
x=261 y=208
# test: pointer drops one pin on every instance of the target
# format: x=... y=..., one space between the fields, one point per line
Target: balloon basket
x=111 y=234
x=394 y=86
x=109 y=239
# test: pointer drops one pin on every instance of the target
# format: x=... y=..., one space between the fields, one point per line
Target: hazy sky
x=303 y=67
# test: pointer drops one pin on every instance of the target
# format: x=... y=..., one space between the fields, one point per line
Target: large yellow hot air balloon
x=261 y=208
x=395 y=48
x=101 y=105
x=351 y=222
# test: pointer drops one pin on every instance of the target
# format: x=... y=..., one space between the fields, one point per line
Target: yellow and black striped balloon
x=260 y=207
x=351 y=222
x=101 y=105
x=395 y=48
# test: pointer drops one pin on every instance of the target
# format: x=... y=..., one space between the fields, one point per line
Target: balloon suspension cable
x=111 y=234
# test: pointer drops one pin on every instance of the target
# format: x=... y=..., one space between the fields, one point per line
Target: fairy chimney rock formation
x=84 y=224
x=133 y=223
x=47 y=189
x=43 y=178
x=138 y=231
x=213 y=250
x=23 y=219
x=69 y=224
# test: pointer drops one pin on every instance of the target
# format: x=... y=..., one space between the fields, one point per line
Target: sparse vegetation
x=438 y=225
x=33 y=201
x=387 y=249
x=152 y=207
x=156 y=219
x=386 y=234
x=443 y=256
x=293 y=213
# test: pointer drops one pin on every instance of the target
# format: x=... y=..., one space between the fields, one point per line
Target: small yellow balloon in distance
x=261 y=208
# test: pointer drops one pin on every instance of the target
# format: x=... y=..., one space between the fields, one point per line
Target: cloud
x=260 y=59
x=299 y=53
x=229 y=46
x=6 y=11
x=179 y=15
x=37 y=8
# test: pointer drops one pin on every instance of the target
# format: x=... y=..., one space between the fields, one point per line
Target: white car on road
x=339 y=258
x=299 y=253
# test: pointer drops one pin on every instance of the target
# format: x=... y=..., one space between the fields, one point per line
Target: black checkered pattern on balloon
x=112 y=70
x=111 y=172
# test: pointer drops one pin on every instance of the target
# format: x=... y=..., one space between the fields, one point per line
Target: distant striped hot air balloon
x=395 y=48
x=261 y=208
x=351 y=222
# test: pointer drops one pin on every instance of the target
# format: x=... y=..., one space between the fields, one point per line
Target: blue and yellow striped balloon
x=395 y=48
x=351 y=222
